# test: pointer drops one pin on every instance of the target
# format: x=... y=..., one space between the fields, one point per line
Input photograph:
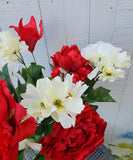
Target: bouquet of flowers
x=54 y=115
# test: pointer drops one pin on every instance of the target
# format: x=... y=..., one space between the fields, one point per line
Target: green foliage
x=52 y=67
x=4 y=74
x=95 y=107
x=39 y=157
x=21 y=154
x=45 y=127
x=90 y=84
x=99 y=94
x=35 y=137
x=115 y=156
x=20 y=89
x=32 y=73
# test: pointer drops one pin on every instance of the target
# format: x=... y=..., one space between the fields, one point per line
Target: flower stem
x=21 y=60
x=61 y=76
x=34 y=58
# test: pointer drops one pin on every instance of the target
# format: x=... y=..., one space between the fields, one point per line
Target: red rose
x=69 y=60
x=12 y=129
x=29 y=32
x=75 y=143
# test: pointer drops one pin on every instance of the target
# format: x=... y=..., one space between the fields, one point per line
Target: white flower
x=95 y=52
x=60 y=99
x=15 y=77
x=29 y=143
x=10 y=49
x=106 y=60
x=111 y=73
x=120 y=59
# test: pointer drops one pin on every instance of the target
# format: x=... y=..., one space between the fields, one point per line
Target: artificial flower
x=75 y=143
x=10 y=50
x=60 y=99
x=13 y=128
x=29 y=32
x=106 y=60
x=111 y=73
x=120 y=60
x=69 y=60
x=96 y=52
x=29 y=143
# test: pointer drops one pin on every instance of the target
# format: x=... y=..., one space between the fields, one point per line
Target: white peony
x=56 y=98
x=10 y=49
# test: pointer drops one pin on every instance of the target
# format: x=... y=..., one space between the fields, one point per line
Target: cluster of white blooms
x=10 y=48
x=56 y=98
x=107 y=60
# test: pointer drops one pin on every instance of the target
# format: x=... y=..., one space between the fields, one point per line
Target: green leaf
x=48 y=129
x=20 y=89
x=2 y=76
x=35 y=137
x=39 y=157
x=45 y=127
x=21 y=155
x=5 y=76
x=112 y=145
x=90 y=84
x=99 y=94
x=95 y=107
x=52 y=66
x=32 y=73
x=115 y=156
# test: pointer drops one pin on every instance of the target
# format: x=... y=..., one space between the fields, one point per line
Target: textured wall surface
x=81 y=22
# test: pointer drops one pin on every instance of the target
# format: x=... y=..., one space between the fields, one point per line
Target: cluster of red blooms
x=12 y=130
x=69 y=60
x=74 y=143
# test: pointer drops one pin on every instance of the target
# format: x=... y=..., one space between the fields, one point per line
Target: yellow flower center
x=108 y=74
x=42 y=105
x=70 y=95
x=58 y=104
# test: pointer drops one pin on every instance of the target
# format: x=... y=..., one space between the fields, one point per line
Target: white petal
x=55 y=116
x=43 y=84
x=30 y=103
x=59 y=88
x=74 y=105
x=93 y=73
x=31 y=92
x=78 y=89
x=65 y=120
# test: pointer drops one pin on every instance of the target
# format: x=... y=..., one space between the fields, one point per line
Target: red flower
x=29 y=32
x=75 y=143
x=69 y=60
x=12 y=129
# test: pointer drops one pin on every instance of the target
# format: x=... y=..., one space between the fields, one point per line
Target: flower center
x=42 y=105
x=58 y=104
x=70 y=95
x=108 y=74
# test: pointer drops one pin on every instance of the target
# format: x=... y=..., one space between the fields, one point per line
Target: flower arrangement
x=54 y=115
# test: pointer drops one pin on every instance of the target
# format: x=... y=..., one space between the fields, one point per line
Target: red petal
x=41 y=29
x=3 y=108
x=20 y=112
x=65 y=62
x=27 y=128
x=55 y=72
